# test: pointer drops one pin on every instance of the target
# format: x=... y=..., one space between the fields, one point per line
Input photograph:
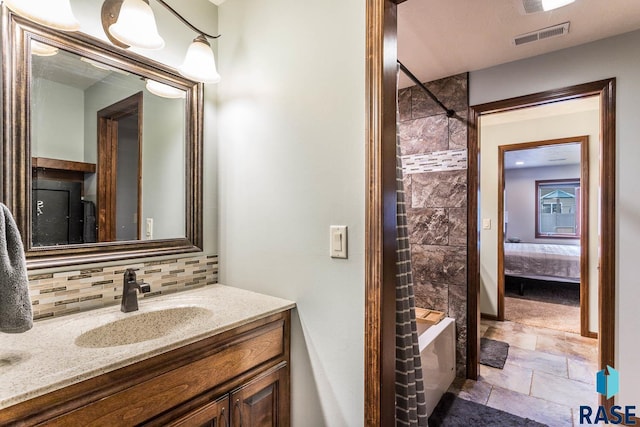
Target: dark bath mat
x=452 y=411
x=493 y=353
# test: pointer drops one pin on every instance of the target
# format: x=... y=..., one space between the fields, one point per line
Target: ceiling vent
x=544 y=33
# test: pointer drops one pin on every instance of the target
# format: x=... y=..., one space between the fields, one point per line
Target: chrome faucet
x=129 y=294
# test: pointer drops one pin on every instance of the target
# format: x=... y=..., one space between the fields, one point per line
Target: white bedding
x=543 y=261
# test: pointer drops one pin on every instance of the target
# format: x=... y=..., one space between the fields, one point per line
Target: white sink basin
x=143 y=327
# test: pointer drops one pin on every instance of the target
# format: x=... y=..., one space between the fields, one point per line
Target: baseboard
x=590 y=334
x=489 y=316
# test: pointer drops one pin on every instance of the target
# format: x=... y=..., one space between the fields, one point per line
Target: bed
x=541 y=261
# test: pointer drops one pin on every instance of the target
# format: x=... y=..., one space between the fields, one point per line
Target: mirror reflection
x=108 y=152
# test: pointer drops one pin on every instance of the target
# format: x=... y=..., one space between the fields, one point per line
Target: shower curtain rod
x=405 y=70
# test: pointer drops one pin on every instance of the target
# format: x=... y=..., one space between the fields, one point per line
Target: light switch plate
x=338 y=241
x=486 y=223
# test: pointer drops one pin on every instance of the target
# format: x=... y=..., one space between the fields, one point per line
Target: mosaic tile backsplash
x=57 y=294
x=437 y=161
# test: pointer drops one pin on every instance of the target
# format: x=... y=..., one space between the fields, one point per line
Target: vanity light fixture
x=163 y=90
x=56 y=14
x=127 y=23
x=519 y=163
x=199 y=63
x=124 y=22
x=103 y=66
x=136 y=26
x=42 y=49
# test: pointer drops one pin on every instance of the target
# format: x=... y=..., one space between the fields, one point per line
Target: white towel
x=16 y=314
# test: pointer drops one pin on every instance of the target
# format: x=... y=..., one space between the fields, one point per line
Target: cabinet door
x=262 y=402
x=213 y=414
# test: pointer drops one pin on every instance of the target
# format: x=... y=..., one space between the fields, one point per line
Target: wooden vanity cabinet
x=214 y=414
x=260 y=403
x=238 y=378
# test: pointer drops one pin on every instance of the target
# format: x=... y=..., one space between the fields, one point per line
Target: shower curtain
x=410 y=399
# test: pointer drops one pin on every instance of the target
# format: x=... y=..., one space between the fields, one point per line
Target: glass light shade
x=199 y=63
x=56 y=14
x=41 y=49
x=136 y=26
x=102 y=66
x=164 y=90
x=548 y=5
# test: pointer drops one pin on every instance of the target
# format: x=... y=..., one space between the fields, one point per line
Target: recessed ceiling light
x=519 y=163
x=537 y=6
x=548 y=5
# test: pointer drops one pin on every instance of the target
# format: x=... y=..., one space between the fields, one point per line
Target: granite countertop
x=47 y=358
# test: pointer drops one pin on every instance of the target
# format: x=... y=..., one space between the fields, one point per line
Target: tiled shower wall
x=434 y=157
x=57 y=294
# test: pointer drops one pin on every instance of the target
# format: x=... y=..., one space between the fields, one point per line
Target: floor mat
x=493 y=353
x=452 y=411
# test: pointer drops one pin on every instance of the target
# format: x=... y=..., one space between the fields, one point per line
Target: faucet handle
x=130 y=274
x=145 y=288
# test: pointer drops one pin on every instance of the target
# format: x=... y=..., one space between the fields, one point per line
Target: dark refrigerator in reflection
x=57 y=213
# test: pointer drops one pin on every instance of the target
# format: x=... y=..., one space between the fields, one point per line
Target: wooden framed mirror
x=102 y=149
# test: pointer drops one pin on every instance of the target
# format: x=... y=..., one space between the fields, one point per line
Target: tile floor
x=547 y=376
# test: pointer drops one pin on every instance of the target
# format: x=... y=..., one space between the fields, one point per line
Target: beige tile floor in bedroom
x=547 y=376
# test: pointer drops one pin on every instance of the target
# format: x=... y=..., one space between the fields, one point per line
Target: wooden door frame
x=107 y=161
x=584 y=221
x=605 y=89
x=380 y=226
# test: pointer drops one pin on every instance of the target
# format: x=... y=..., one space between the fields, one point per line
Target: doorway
x=604 y=90
x=380 y=212
x=119 y=201
x=543 y=245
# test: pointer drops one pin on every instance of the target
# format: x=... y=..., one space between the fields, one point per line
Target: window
x=558 y=208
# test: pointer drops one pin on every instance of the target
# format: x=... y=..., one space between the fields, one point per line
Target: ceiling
x=571 y=106
x=550 y=155
x=66 y=68
x=440 y=38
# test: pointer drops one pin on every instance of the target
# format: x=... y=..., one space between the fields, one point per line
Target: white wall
x=56 y=131
x=520 y=200
x=163 y=172
x=614 y=57
x=292 y=138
